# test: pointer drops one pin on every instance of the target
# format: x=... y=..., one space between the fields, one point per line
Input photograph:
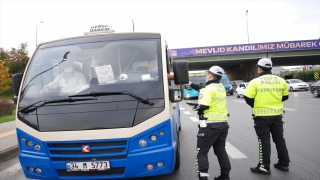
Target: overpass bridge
x=239 y=61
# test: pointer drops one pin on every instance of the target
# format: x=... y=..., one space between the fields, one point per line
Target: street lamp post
x=37 y=32
x=247 y=26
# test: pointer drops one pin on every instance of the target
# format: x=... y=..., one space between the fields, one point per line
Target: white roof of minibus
x=99 y=34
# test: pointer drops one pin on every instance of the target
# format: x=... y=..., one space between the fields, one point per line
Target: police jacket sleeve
x=201 y=109
x=284 y=98
x=249 y=101
x=195 y=87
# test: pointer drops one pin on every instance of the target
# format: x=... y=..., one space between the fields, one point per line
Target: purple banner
x=246 y=48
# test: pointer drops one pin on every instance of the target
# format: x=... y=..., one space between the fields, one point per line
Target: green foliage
x=7 y=118
x=307 y=75
x=7 y=95
x=6 y=107
x=16 y=59
x=4 y=55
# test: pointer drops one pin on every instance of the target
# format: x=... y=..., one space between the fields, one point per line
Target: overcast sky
x=185 y=23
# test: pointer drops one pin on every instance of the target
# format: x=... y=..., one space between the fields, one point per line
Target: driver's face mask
x=154 y=70
x=153 y=67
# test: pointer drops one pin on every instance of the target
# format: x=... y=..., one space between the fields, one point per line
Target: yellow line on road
x=7 y=133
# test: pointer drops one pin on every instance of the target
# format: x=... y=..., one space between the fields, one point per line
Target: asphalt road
x=302 y=124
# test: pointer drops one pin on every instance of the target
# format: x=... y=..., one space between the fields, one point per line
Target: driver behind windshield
x=69 y=81
x=153 y=69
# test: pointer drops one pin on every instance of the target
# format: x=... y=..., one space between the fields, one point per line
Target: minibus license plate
x=86 y=166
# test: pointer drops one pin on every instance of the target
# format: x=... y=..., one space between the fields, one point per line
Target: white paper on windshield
x=104 y=74
x=146 y=77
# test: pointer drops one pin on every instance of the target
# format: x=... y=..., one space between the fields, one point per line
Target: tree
x=16 y=59
x=5 y=78
x=4 y=55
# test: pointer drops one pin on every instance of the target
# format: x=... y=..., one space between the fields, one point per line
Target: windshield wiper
x=28 y=86
x=32 y=107
x=95 y=94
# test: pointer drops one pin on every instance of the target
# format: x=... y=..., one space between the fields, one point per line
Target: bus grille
x=99 y=149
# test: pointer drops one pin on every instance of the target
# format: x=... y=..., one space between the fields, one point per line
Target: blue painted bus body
x=129 y=162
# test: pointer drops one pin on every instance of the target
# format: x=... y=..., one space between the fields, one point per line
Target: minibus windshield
x=125 y=72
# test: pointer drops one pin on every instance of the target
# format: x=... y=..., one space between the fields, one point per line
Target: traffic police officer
x=213 y=125
x=265 y=95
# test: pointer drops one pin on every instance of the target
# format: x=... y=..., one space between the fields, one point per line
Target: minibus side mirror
x=181 y=77
x=175 y=95
x=180 y=72
x=16 y=82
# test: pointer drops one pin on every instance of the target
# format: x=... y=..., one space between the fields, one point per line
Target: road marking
x=10 y=171
x=233 y=152
x=186 y=112
x=194 y=119
x=181 y=108
x=289 y=109
x=7 y=133
x=239 y=101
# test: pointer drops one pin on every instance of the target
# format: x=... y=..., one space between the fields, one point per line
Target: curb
x=9 y=153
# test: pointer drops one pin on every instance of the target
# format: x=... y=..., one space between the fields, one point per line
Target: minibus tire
x=177 y=164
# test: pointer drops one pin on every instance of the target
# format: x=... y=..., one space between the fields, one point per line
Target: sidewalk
x=8 y=141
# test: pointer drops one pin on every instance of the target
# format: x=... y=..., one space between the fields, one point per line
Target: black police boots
x=222 y=177
x=281 y=167
x=260 y=170
x=203 y=178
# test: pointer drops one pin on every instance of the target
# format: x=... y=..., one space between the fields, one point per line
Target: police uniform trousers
x=214 y=135
x=264 y=125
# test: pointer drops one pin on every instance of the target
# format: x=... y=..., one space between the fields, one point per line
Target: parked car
x=235 y=84
x=241 y=88
x=297 y=84
x=315 y=88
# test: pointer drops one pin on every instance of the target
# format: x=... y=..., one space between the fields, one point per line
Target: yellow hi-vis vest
x=267 y=91
x=214 y=96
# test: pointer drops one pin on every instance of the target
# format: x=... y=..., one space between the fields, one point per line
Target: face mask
x=259 y=71
x=69 y=69
x=207 y=78
x=154 y=70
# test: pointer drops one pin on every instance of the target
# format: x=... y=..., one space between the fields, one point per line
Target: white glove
x=202 y=123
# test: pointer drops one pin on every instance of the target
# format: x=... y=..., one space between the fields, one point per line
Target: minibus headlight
x=142 y=142
x=153 y=138
x=38 y=170
x=29 y=143
x=159 y=164
x=149 y=166
x=37 y=147
x=30 y=169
